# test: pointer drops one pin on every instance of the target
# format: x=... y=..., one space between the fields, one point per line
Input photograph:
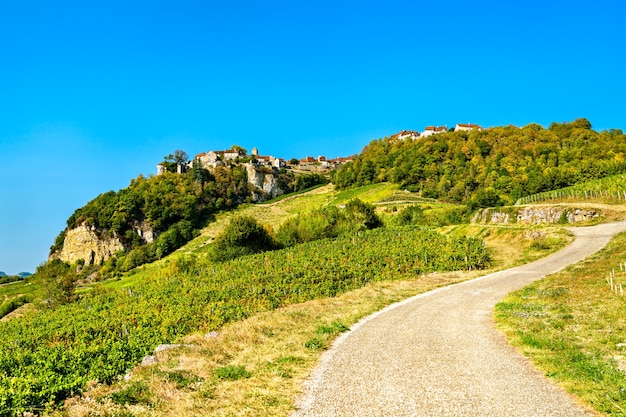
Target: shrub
x=362 y=215
x=412 y=215
x=243 y=236
x=329 y=222
x=58 y=280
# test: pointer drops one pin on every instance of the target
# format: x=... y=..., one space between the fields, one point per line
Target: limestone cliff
x=83 y=242
x=145 y=231
x=265 y=180
x=94 y=246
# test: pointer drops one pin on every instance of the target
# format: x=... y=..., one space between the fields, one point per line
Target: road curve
x=439 y=354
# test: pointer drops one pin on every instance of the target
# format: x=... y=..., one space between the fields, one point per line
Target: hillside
x=492 y=167
x=276 y=349
x=104 y=332
x=114 y=324
x=477 y=168
x=154 y=216
x=332 y=239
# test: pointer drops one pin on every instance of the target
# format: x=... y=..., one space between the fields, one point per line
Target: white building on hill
x=462 y=127
x=433 y=130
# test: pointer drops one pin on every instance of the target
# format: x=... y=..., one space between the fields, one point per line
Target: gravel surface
x=438 y=354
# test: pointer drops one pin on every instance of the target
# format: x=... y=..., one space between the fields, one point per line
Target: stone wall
x=534 y=215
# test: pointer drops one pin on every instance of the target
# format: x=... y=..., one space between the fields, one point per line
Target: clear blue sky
x=94 y=93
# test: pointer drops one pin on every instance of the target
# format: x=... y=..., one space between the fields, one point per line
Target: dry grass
x=279 y=349
x=270 y=214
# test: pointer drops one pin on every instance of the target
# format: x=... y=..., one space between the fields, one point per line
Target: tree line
x=493 y=167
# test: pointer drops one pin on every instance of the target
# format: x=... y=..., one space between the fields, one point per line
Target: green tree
x=172 y=161
x=200 y=174
x=240 y=149
x=362 y=215
x=486 y=197
x=57 y=278
x=412 y=215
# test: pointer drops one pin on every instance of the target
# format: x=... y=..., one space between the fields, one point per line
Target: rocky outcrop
x=145 y=231
x=265 y=180
x=534 y=215
x=83 y=242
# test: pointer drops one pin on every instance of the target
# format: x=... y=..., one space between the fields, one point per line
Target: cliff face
x=263 y=180
x=84 y=243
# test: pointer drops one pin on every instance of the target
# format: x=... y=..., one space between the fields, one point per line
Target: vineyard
x=52 y=355
x=609 y=189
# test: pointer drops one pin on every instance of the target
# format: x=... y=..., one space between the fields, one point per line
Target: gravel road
x=439 y=354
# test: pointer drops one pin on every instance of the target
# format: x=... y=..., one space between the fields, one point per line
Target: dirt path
x=438 y=354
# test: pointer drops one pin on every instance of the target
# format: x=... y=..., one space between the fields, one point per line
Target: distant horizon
x=15 y=275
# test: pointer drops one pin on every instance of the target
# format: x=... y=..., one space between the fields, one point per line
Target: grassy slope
x=273 y=346
x=270 y=214
x=574 y=328
x=280 y=348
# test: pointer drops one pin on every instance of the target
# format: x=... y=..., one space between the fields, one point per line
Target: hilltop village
x=433 y=130
x=236 y=155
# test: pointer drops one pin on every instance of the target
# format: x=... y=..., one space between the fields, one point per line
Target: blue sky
x=94 y=93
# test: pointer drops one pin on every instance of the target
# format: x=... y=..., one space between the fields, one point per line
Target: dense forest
x=492 y=167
